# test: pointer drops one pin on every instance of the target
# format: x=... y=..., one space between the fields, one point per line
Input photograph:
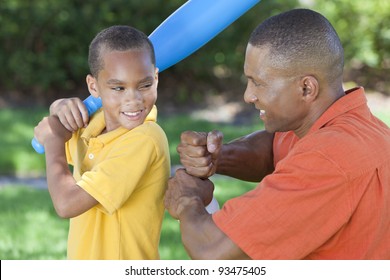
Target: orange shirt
x=329 y=196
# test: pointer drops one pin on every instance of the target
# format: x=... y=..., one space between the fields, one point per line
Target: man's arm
x=185 y=200
x=68 y=198
x=202 y=239
x=248 y=158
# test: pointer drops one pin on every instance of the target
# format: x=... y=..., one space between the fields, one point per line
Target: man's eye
x=256 y=84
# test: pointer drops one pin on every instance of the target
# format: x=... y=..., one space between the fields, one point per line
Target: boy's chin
x=132 y=125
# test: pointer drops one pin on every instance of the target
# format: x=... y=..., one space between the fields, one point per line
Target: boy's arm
x=68 y=198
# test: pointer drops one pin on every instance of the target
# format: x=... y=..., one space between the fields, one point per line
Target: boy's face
x=127 y=85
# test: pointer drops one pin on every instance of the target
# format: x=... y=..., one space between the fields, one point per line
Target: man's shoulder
x=351 y=148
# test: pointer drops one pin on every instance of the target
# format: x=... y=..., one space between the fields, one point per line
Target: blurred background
x=43 y=57
x=44 y=46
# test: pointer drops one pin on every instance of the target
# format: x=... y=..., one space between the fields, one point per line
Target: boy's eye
x=146 y=86
x=118 y=88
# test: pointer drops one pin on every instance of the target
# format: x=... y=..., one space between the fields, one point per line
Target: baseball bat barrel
x=192 y=25
x=185 y=31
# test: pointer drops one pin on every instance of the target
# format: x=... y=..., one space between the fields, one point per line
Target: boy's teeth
x=131 y=114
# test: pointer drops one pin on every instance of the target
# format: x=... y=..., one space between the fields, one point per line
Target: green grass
x=19 y=158
x=30 y=229
x=384 y=116
x=17 y=155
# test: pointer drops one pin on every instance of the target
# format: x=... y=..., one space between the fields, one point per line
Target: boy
x=114 y=198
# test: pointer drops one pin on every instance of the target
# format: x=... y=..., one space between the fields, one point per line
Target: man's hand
x=71 y=112
x=185 y=190
x=185 y=200
x=199 y=152
x=51 y=129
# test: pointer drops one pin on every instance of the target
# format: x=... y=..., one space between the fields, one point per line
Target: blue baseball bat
x=186 y=30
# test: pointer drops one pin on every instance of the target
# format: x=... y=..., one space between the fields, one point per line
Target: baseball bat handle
x=92 y=103
x=38 y=147
x=213 y=206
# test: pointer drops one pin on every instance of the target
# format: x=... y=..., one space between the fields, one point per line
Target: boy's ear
x=156 y=75
x=92 y=85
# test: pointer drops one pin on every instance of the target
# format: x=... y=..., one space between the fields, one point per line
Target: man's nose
x=249 y=97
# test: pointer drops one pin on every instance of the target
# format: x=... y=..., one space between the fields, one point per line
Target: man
x=323 y=160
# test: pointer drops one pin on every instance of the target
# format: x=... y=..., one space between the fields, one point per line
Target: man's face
x=274 y=92
x=127 y=85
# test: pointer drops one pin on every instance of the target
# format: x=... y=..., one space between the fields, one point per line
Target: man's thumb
x=214 y=141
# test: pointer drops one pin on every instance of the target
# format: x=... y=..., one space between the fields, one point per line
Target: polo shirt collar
x=95 y=127
x=97 y=124
x=352 y=99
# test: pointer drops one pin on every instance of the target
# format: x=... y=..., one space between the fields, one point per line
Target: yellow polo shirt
x=126 y=171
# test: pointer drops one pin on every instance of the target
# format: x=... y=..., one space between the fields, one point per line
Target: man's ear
x=92 y=85
x=309 y=87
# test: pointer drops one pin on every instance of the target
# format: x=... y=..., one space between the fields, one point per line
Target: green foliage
x=363 y=27
x=45 y=42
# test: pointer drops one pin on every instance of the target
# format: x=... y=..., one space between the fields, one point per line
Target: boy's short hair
x=116 y=38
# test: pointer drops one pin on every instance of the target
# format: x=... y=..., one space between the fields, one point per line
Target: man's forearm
x=249 y=158
x=202 y=239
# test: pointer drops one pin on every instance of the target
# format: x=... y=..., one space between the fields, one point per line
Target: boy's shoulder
x=148 y=131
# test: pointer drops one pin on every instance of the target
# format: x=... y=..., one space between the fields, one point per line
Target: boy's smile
x=127 y=85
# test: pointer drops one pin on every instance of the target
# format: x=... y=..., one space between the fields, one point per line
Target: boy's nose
x=132 y=95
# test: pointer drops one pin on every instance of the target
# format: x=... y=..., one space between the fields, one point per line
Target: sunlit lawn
x=29 y=227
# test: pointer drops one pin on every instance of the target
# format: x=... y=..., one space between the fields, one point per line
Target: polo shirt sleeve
x=69 y=145
x=114 y=179
x=291 y=212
